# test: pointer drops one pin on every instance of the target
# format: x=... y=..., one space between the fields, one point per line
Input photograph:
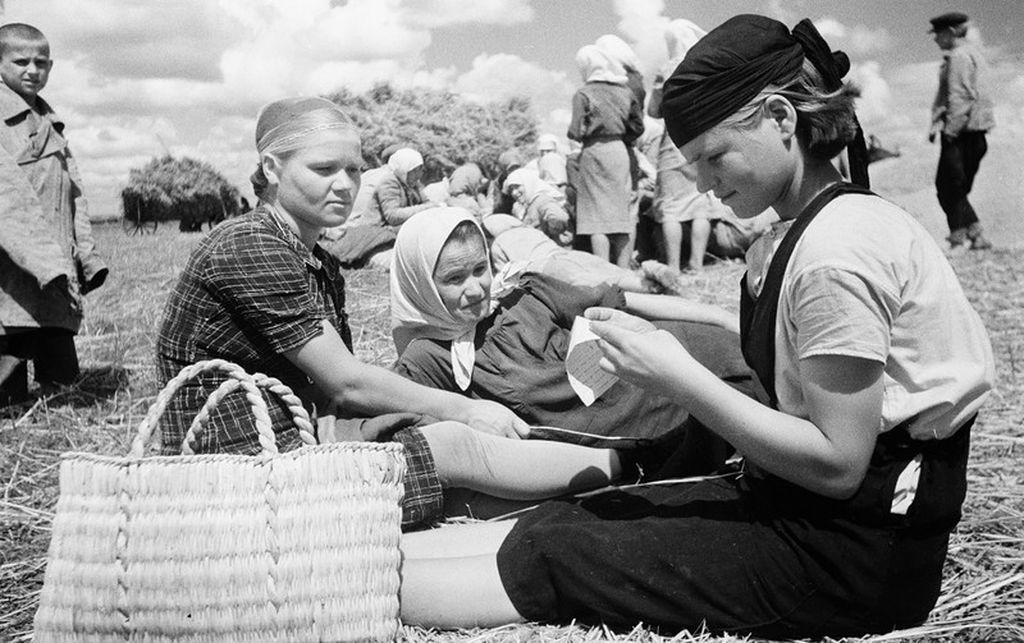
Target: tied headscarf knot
x=833 y=66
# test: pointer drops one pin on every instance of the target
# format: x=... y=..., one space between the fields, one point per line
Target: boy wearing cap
x=47 y=258
x=961 y=115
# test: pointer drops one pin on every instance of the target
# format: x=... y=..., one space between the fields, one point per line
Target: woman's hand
x=635 y=350
x=490 y=417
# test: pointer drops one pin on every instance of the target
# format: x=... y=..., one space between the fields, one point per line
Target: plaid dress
x=249 y=293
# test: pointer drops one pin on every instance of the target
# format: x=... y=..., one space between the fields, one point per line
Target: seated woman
x=451 y=335
x=393 y=197
x=874 y=367
x=543 y=205
x=259 y=291
x=467 y=188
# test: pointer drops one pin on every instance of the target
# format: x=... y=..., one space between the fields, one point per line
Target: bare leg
x=700 y=233
x=450 y=577
x=600 y=246
x=672 y=231
x=516 y=469
x=620 y=250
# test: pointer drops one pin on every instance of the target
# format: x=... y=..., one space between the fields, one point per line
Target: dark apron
x=942 y=484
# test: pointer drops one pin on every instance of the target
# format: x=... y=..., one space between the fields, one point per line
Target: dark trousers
x=750 y=555
x=53 y=355
x=958 y=163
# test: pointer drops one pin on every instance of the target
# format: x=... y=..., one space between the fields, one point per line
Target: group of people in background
x=590 y=199
x=869 y=362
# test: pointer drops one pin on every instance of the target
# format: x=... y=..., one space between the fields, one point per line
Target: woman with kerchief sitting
x=451 y=335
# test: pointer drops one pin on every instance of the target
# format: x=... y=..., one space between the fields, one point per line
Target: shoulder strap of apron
x=757 y=318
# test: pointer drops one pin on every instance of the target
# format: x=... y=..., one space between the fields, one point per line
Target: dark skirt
x=604 y=190
x=745 y=554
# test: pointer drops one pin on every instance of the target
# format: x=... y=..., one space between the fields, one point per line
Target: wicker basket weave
x=298 y=546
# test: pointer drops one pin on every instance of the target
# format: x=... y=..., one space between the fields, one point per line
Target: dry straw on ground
x=983 y=592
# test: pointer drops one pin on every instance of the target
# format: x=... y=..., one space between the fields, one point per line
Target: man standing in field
x=961 y=115
x=47 y=258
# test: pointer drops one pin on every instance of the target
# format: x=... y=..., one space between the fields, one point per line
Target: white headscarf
x=417 y=309
x=680 y=35
x=404 y=161
x=617 y=49
x=547 y=142
x=597 y=66
x=533 y=185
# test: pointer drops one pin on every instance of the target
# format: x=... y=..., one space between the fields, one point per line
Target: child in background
x=47 y=254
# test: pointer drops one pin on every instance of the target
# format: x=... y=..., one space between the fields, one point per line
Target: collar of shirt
x=12 y=106
x=311 y=257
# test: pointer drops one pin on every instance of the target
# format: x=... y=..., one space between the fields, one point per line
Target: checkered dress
x=249 y=293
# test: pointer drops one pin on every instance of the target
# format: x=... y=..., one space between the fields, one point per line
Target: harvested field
x=983 y=594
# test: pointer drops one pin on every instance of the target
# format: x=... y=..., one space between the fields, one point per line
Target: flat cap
x=946 y=20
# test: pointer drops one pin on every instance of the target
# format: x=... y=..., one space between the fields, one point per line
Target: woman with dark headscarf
x=606 y=118
x=873 y=364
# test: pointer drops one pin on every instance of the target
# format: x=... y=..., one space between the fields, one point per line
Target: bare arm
x=828 y=453
x=671 y=308
x=365 y=388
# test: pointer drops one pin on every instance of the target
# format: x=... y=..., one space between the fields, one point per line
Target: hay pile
x=983 y=597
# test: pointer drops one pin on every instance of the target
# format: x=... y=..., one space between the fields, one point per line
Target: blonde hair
x=826 y=121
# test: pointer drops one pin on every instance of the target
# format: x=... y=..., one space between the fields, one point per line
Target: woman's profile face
x=413 y=176
x=317 y=184
x=463 y=278
x=746 y=168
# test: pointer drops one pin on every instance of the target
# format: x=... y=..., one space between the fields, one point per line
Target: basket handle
x=300 y=417
x=237 y=378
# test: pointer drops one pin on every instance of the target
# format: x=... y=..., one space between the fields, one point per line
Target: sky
x=134 y=79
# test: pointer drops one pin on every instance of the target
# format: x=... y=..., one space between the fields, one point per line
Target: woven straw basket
x=298 y=546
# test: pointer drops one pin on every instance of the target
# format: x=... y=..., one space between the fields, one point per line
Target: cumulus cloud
x=875 y=103
x=642 y=25
x=135 y=40
x=443 y=13
x=500 y=76
x=857 y=40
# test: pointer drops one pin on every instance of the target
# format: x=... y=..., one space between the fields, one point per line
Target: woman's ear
x=781 y=112
x=271 y=168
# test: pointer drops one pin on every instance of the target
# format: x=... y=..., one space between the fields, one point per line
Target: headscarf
x=597 y=66
x=404 y=161
x=547 y=142
x=680 y=36
x=417 y=309
x=282 y=125
x=729 y=66
x=618 y=50
x=533 y=185
x=465 y=179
